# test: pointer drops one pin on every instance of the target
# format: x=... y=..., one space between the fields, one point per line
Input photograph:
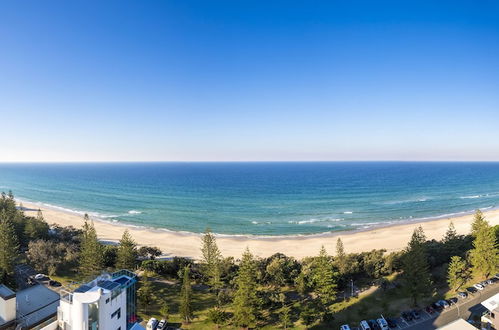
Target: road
x=460 y=310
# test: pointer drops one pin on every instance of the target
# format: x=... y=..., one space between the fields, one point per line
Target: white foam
x=347 y=212
x=470 y=197
x=301 y=222
x=134 y=212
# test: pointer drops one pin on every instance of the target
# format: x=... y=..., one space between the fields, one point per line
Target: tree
x=457 y=273
x=341 y=257
x=9 y=246
x=91 y=256
x=324 y=278
x=415 y=267
x=246 y=301
x=285 y=317
x=127 y=252
x=50 y=256
x=164 y=310
x=36 y=228
x=479 y=222
x=484 y=255
x=217 y=316
x=185 y=297
x=145 y=293
x=211 y=260
x=308 y=314
x=149 y=252
x=450 y=234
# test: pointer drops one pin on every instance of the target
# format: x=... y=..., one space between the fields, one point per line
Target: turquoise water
x=258 y=198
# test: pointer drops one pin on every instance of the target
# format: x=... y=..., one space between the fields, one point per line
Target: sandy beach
x=391 y=238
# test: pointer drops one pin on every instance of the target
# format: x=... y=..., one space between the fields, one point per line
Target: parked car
x=392 y=323
x=41 y=277
x=345 y=327
x=489 y=281
x=478 y=286
x=383 y=325
x=443 y=303
x=161 y=325
x=373 y=324
x=429 y=310
x=152 y=324
x=54 y=283
x=436 y=306
x=484 y=283
x=471 y=290
x=364 y=325
x=407 y=316
x=462 y=295
x=497 y=276
x=415 y=314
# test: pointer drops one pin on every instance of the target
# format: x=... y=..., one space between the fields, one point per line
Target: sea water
x=258 y=198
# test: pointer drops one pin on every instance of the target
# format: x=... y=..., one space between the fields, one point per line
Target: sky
x=252 y=80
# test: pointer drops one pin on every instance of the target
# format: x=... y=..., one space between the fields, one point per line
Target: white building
x=108 y=302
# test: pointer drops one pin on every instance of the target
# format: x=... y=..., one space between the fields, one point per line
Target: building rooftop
x=35 y=304
x=492 y=303
x=6 y=293
x=458 y=324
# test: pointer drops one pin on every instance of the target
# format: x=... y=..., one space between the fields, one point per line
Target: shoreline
x=392 y=237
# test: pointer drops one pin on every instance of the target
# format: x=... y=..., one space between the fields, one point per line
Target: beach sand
x=392 y=238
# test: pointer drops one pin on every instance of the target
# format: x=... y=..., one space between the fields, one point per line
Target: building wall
x=8 y=309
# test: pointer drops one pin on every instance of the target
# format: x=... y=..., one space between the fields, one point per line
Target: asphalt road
x=462 y=309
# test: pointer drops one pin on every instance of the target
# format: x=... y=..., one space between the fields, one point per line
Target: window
x=117 y=313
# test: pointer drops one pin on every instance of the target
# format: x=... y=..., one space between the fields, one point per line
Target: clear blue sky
x=249 y=80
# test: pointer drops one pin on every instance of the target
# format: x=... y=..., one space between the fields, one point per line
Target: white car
x=161 y=325
x=364 y=325
x=151 y=325
x=39 y=277
x=478 y=286
x=382 y=324
x=443 y=304
x=345 y=327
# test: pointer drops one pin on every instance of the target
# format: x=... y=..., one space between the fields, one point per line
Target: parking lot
x=462 y=309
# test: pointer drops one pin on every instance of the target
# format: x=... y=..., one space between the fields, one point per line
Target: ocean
x=258 y=198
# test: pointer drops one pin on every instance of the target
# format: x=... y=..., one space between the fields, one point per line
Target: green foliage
x=285 y=317
x=484 y=255
x=246 y=301
x=217 y=316
x=341 y=257
x=458 y=273
x=51 y=256
x=149 y=252
x=145 y=294
x=415 y=266
x=186 y=296
x=164 y=310
x=212 y=259
x=110 y=255
x=36 y=228
x=324 y=278
x=127 y=252
x=91 y=255
x=9 y=246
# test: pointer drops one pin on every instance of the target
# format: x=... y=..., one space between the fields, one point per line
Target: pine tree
x=185 y=297
x=9 y=246
x=127 y=252
x=324 y=278
x=450 y=234
x=457 y=273
x=479 y=222
x=285 y=317
x=341 y=257
x=91 y=255
x=212 y=259
x=145 y=293
x=246 y=302
x=415 y=266
x=484 y=256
